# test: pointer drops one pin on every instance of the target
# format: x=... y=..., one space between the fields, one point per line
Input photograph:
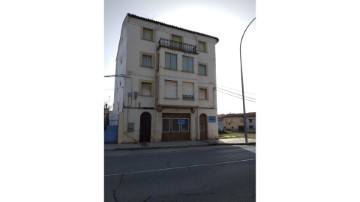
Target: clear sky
x=226 y=20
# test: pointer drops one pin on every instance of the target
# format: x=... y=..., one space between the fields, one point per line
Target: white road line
x=182 y=167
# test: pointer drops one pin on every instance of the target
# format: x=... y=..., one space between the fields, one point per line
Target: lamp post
x=242 y=86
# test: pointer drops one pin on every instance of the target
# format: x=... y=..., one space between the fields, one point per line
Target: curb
x=179 y=146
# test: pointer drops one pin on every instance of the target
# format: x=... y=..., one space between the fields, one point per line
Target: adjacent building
x=165 y=85
x=235 y=122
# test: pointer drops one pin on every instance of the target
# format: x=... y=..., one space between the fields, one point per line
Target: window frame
x=187 y=58
x=206 y=93
x=142 y=54
x=176 y=86
x=169 y=125
x=206 y=69
x=205 y=46
x=143 y=34
x=170 y=55
x=151 y=89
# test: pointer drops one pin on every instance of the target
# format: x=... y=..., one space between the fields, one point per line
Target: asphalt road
x=211 y=173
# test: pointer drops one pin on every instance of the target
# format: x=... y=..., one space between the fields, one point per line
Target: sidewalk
x=178 y=144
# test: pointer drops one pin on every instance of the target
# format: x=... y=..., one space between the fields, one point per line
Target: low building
x=235 y=122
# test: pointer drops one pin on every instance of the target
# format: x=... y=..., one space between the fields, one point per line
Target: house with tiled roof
x=165 y=85
x=235 y=122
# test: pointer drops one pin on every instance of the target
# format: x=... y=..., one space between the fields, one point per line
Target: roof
x=250 y=114
x=172 y=26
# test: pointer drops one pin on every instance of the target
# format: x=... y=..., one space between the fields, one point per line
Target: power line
x=236 y=89
x=235 y=93
x=220 y=91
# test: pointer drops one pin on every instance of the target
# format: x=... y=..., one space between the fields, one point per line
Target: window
x=176 y=38
x=202 y=70
x=201 y=46
x=176 y=41
x=250 y=120
x=166 y=124
x=188 y=91
x=175 y=125
x=178 y=124
x=147 y=34
x=170 y=89
x=146 y=60
x=251 y=127
x=171 y=61
x=185 y=126
x=130 y=127
x=146 y=89
x=202 y=94
x=187 y=64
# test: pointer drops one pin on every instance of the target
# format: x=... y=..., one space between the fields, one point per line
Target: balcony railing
x=188 y=97
x=175 y=45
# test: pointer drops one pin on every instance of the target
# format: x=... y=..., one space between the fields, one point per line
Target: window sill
x=170 y=98
x=170 y=69
x=150 y=67
x=187 y=72
x=147 y=40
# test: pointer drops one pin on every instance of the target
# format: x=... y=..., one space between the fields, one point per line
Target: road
x=211 y=173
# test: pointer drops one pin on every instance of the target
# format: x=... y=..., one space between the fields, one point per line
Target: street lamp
x=242 y=86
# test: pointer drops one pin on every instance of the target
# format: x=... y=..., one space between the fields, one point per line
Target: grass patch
x=230 y=134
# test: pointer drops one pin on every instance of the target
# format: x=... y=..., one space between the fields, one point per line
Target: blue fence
x=110 y=134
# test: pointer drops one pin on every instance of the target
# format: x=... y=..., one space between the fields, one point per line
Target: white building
x=165 y=86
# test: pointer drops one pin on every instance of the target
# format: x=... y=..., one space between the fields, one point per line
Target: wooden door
x=203 y=127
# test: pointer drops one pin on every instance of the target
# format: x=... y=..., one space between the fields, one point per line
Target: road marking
x=181 y=167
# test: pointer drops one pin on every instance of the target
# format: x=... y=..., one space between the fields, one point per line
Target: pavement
x=178 y=144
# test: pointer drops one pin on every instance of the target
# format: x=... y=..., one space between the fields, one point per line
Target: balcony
x=175 y=45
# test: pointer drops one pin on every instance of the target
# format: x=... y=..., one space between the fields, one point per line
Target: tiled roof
x=172 y=26
x=250 y=114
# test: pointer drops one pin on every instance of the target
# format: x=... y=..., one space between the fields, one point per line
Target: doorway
x=145 y=127
x=203 y=127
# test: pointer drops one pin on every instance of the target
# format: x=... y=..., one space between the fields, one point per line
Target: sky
x=225 y=20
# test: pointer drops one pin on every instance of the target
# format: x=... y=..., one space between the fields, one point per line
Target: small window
x=201 y=46
x=176 y=38
x=187 y=64
x=202 y=94
x=130 y=127
x=250 y=120
x=146 y=89
x=171 y=61
x=147 y=34
x=146 y=60
x=251 y=127
x=202 y=70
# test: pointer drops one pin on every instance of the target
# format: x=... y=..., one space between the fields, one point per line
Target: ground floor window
x=175 y=127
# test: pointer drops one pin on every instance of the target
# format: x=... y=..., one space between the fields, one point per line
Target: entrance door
x=203 y=127
x=145 y=127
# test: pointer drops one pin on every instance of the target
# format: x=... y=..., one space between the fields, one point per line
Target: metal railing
x=175 y=45
x=188 y=97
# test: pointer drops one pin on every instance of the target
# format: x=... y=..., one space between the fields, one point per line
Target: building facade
x=165 y=85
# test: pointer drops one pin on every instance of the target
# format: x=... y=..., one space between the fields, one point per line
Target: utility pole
x=242 y=86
